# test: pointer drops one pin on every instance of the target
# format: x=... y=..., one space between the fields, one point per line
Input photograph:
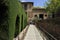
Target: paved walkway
x=21 y=34
x=34 y=34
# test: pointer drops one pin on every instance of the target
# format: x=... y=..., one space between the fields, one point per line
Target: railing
x=51 y=37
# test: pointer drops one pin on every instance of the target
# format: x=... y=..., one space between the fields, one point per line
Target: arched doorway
x=40 y=16
x=17 y=26
x=22 y=23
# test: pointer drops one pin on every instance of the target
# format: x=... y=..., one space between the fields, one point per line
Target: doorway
x=21 y=22
x=40 y=16
x=17 y=26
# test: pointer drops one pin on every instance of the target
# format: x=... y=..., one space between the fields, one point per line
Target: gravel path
x=34 y=34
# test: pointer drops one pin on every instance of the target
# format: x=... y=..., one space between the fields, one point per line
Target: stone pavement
x=34 y=34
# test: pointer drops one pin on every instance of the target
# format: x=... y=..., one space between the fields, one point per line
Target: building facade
x=32 y=11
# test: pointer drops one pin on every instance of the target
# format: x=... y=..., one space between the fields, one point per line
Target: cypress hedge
x=11 y=19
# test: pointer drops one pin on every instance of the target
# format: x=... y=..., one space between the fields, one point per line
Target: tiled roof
x=38 y=8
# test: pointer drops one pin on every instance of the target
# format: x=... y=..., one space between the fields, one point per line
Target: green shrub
x=10 y=24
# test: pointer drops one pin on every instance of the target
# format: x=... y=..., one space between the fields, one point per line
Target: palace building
x=32 y=11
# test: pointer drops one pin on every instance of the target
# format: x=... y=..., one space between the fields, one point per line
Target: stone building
x=32 y=11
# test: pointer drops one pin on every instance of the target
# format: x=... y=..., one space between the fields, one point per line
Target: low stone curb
x=22 y=34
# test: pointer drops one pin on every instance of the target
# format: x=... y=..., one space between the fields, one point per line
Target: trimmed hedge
x=51 y=25
x=11 y=20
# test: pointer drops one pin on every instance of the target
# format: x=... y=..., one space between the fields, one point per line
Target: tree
x=52 y=6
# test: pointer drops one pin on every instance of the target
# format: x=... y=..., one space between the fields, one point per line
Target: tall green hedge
x=4 y=20
x=11 y=20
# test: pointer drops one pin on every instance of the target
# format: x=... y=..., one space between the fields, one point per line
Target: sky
x=40 y=3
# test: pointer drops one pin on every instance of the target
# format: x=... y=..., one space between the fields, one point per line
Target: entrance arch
x=40 y=16
x=17 y=26
x=21 y=22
